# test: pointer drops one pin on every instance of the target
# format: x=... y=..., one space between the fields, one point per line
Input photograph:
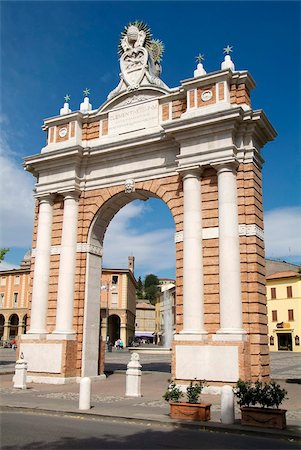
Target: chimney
x=131 y=264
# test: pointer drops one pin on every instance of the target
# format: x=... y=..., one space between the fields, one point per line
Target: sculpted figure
x=140 y=57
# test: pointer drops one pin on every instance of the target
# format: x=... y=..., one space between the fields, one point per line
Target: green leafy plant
x=262 y=394
x=173 y=393
x=194 y=390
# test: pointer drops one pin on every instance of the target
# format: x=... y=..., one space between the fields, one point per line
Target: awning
x=144 y=334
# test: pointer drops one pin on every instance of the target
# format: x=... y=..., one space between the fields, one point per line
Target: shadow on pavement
x=146 y=367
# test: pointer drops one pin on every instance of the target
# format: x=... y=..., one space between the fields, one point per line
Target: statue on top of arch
x=140 y=57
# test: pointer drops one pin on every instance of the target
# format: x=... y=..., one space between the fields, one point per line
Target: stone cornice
x=196 y=125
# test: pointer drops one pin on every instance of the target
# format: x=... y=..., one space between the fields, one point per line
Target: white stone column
x=65 y=296
x=193 y=290
x=39 y=303
x=231 y=327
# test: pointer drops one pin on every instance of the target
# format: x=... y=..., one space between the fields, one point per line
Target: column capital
x=71 y=194
x=45 y=198
x=226 y=166
x=192 y=171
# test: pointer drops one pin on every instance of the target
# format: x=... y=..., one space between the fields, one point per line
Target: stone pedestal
x=133 y=377
x=19 y=378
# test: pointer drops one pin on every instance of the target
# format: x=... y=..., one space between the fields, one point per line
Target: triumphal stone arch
x=196 y=147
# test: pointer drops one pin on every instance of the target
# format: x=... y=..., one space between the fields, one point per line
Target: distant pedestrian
x=120 y=344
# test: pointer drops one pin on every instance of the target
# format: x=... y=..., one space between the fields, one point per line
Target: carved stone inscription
x=133 y=118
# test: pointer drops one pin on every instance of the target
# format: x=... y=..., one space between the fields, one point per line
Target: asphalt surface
x=109 y=403
x=44 y=431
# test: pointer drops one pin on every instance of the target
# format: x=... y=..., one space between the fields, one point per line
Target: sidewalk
x=109 y=403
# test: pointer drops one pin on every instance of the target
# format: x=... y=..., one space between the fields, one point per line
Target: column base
x=33 y=336
x=215 y=362
x=191 y=336
x=50 y=359
x=230 y=335
x=61 y=337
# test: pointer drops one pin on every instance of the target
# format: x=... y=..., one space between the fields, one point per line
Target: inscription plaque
x=132 y=118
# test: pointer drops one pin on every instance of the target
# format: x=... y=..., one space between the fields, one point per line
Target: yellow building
x=117 y=303
x=14 y=299
x=145 y=321
x=284 y=310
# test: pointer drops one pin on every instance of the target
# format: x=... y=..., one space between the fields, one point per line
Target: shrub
x=173 y=393
x=266 y=395
x=193 y=391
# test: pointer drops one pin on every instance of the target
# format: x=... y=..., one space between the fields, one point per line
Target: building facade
x=166 y=313
x=14 y=299
x=118 y=305
x=145 y=321
x=284 y=311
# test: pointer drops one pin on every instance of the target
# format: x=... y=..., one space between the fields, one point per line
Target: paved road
x=284 y=365
x=36 y=431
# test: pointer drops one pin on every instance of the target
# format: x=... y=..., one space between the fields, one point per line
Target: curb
x=287 y=434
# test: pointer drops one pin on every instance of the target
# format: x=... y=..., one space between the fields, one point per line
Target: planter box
x=263 y=417
x=190 y=411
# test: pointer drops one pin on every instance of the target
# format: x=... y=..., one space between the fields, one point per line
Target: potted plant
x=191 y=409
x=259 y=404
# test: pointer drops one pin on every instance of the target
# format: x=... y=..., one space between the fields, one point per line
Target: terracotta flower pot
x=190 y=411
x=263 y=417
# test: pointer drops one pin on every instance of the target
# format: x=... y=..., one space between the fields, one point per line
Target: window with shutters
x=274 y=316
x=290 y=314
x=273 y=292
x=289 y=291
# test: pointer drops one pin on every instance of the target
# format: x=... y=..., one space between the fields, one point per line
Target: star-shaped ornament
x=200 y=58
x=87 y=92
x=67 y=98
x=228 y=49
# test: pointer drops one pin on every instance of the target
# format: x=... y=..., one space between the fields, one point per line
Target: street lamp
x=107 y=287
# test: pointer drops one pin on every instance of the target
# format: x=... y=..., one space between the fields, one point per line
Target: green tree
x=151 y=280
x=140 y=288
x=151 y=287
x=3 y=252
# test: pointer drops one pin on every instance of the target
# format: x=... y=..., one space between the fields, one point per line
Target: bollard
x=133 y=377
x=227 y=405
x=19 y=378
x=85 y=393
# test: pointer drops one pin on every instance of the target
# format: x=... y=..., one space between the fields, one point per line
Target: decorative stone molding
x=178 y=237
x=251 y=230
x=212 y=233
x=80 y=248
x=89 y=248
x=55 y=250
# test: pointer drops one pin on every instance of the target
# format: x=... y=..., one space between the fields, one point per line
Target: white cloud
x=7 y=266
x=282 y=233
x=16 y=200
x=154 y=250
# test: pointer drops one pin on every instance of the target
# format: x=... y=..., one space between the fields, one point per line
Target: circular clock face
x=206 y=95
x=63 y=132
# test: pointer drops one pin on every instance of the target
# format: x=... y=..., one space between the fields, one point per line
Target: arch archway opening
x=24 y=324
x=13 y=326
x=97 y=232
x=2 y=323
x=114 y=323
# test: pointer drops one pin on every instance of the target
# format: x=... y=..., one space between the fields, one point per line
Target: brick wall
x=170 y=190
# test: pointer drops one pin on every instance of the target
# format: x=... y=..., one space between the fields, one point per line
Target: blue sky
x=51 y=48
